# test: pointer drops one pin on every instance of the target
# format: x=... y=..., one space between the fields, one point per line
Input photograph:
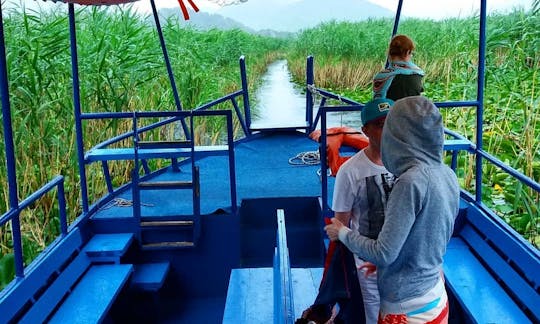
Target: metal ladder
x=158 y=231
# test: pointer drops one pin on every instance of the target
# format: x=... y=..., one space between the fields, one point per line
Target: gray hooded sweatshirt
x=421 y=208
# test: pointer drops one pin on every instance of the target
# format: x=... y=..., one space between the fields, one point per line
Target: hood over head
x=413 y=134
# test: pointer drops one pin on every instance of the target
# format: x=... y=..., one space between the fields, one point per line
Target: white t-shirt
x=363 y=188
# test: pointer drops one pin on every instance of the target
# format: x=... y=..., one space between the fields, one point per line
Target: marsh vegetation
x=122 y=69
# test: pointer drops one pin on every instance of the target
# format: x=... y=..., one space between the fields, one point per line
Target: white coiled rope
x=306 y=158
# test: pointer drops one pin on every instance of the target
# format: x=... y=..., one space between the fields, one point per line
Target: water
x=280 y=102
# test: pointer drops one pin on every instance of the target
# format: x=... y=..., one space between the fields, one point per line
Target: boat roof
x=97 y=2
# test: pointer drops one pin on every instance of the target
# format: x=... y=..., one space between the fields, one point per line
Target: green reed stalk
x=121 y=69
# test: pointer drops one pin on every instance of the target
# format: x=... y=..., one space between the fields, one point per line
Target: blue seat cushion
x=93 y=296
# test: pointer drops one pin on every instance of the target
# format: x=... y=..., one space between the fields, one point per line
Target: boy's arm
x=403 y=205
x=344 y=217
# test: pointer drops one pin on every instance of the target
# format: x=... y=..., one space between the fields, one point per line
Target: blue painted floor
x=262 y=171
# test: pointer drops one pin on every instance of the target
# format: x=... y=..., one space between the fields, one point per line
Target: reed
x=121 y=69
x=448 y=51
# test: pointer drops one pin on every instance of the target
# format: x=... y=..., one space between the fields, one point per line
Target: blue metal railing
x=177 y=115
x=14 y=213
x=10 y=148
x=475 y=148
x=310 y=81
x=480 y=98
x=203 y=110
x=80 y=116
x=15 y=208
x=324 y=110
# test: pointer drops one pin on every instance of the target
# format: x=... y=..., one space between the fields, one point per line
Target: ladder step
x=167 y=223
x=164 y=144
x=166 y=184
x=167 y=245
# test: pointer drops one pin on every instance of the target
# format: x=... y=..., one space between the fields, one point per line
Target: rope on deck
x=306 y=158
x=121 y=202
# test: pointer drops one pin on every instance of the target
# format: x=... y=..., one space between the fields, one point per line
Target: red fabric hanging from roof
x=183 y=7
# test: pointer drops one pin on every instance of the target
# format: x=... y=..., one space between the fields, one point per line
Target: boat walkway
x=262 y=165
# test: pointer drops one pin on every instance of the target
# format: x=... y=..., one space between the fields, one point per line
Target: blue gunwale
x=255 y=169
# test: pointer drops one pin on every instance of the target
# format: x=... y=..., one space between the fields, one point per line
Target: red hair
x=400 y=46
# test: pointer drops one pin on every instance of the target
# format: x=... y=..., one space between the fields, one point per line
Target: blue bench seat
x=93 y=296
x=65 y=278
x=149 y=276
x=108 y=247
x=458 y=145
x=250 y=296
x=250 y=293
x=479 y=293
x=491 y=271
x=38 y=274
x=305 y=283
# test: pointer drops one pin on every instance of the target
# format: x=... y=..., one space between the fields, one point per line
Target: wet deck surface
x=262 y=171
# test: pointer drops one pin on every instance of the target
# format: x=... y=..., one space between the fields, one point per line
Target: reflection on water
x=279 y=102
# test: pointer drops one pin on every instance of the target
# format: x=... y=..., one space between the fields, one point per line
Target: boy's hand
x=332 y=230
x=370 y=268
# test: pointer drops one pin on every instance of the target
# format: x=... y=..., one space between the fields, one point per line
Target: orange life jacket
x=336 y=137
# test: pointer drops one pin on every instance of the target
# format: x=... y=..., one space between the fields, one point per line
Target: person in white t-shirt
x=360 y=192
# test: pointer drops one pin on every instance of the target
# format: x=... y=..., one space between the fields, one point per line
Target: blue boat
x=233 y=233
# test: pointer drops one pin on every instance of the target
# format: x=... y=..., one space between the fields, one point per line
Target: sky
x=435 y=9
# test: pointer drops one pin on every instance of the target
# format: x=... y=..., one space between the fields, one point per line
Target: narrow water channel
x=281 y=103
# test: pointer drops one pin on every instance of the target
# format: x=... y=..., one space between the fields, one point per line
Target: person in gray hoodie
x=419 y=218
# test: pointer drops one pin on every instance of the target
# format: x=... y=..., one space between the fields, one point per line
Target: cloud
x=449 y=8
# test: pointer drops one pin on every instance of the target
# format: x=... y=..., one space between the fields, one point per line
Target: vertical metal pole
x=62 y=207
x=77 y=106
x=135 y=174
x=166 y=56
x=396 y=26
x=169 y=68
x=310 y=79
x=10 y=154
x=245 y=93
x=324 y=166
x=232 y=163
x=396 y=19
x=107 y=174
x=480 y=97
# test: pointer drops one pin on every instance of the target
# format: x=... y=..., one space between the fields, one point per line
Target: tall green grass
x=121 y=69
x=348 y=54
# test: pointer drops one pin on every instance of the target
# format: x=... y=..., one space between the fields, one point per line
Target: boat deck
x=262 y=171
x=196 y=291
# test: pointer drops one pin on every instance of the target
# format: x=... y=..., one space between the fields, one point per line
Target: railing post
x=480 y=99
x=62 y=207
x=245 y=93
x=397 y=17
x=10 y=155
x=323 y=163
x=136 y=199
x=232 y=163
x=77 y=106
x=310 y=79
